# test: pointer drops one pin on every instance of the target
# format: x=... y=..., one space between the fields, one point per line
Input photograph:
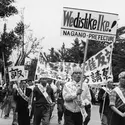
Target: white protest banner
x=102 y=58
x=99 y=76
x=41 y=64
x=16 y=73
x=98 y=67
x=94 y=25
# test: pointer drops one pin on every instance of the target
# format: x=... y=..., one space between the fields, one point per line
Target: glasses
x=77 y=73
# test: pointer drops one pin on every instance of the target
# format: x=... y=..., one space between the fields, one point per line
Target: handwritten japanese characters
x=17 y=73
x=98 y=67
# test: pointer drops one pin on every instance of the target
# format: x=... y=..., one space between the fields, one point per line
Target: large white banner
x=17 y=73
x=94 y=25
x=98 y=69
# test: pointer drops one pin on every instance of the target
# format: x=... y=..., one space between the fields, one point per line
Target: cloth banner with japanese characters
x=98 y=69
x=41 y=64
x=44 y=69
x=17 y=73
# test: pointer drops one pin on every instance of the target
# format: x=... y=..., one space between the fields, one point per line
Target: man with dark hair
x=42 y=99
x=103 y=98
x=22 y=98
x=60 y=101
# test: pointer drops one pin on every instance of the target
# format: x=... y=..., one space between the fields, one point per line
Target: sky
x=45 y=16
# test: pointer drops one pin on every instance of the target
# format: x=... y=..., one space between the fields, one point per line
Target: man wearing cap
x=75 y=99
x=117 y=102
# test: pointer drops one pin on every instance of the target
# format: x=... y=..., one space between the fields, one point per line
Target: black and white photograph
x=62 y=62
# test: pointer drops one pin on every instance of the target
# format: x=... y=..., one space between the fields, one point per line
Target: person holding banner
x=22 y=98
x=103 y=98
x=75 y=112
x=117 y=102
x=52 y=95
x=43 y=100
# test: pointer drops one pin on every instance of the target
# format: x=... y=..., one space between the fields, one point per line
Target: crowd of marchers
x=33 y=102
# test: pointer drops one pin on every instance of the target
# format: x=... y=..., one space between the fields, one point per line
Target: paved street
x=94 y=119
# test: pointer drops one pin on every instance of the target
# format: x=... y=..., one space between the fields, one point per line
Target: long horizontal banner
x=97 y=68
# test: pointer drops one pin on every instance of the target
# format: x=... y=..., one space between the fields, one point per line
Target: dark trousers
x=116 y=119
x=41 y=113
x=88 y=111
x=51 y=110
x=23 y=117
x=71 y=118
x=32 y=111
x=60 y=109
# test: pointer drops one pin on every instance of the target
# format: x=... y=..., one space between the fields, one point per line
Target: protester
x=103 y=98
x=43 y=99
x=117 y=102
x=51 y=92
x=93 y=100
x=73 y=105
x=31 y=85
x=10 y=101
x=5 y=100
x=22 y=98
x=60 y=101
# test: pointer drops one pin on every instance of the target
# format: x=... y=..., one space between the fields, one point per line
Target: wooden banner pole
x=84 y=60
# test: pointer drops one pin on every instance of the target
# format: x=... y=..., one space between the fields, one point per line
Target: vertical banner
x=98 y=68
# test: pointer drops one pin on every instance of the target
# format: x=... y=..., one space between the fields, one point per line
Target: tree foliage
x=7 y=9
x=32 y=69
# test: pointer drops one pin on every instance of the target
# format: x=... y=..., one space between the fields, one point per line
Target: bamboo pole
x=84 y=60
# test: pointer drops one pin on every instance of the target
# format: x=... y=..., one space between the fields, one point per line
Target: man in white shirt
x=74 y=105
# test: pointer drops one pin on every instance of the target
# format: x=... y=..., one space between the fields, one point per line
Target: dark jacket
x=101 y=101
x=39 y=99
x=60 y=99
x=21 y=104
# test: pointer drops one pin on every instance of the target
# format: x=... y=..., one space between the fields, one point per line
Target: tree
x=32 y=69
x=7 y=9
x=31 y=45
x=63 y=54
x=51 y=57
x=118 y=64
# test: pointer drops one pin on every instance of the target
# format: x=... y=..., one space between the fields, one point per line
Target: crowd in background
x=33 y=102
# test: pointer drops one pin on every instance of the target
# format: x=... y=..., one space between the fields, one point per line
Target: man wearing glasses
x=75 y=99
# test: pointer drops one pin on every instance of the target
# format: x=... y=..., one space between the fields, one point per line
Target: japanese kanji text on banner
x=17 y=73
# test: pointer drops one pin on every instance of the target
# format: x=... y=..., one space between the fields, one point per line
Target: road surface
x=95 y=119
